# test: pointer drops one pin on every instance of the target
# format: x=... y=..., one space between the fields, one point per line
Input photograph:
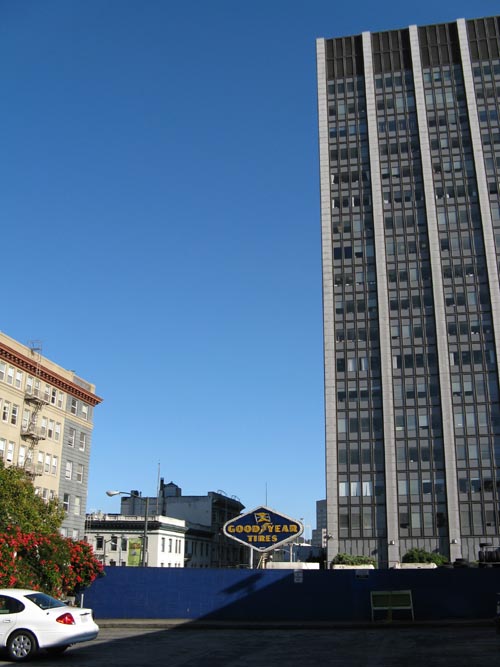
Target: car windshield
x=44 y=601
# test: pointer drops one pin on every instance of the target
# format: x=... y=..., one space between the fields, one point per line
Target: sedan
x=31 y=620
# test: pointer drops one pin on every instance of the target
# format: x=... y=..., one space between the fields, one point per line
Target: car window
x=10 y=605
x=44 y=601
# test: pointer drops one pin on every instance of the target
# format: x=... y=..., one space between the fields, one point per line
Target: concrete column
x=332 y=540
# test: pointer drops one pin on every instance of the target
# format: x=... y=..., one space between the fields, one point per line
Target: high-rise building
x=46 y=421
x=409 y=141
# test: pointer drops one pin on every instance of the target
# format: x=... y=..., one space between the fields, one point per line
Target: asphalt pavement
x=380 y=645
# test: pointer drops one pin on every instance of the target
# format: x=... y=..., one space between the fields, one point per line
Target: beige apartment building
x=46 y=422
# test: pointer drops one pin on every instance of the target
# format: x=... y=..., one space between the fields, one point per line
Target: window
x=74 y=406
x=54 y=465
x=3 y=443
x=77 y=506
x=50 y=431
x=57 y=432
x=66 y=502
x=14 y=415
x=99 y=543
x=85 y=411
x=19 y=379
x=10 y=452
x=79 y=472
x=21 y=457
x=83 y=441
x=71 y=437
x=2 y=370
x=5 y=411
x=163 y=545
x=10 y=375
x=69 y=469
x=53 y=396
x=46 y=468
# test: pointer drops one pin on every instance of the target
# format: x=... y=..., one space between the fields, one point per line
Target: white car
x=31 y=620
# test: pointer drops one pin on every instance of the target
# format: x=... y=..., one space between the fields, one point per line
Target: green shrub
x=347 y=559
x=421 y=556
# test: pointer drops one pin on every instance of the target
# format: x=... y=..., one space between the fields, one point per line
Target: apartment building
x=409 y=140
x=46 y=421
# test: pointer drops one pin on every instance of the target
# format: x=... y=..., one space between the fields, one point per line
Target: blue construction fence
x=287 y=595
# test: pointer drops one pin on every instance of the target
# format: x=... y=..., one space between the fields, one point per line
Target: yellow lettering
x=230 y=529
x=284 y=529
x=277 y=529
x=294 y=528
x=239 y=529
x=247 y=529
x=275 y=538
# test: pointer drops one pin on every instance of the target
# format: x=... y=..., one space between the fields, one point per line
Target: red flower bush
x=51 y=563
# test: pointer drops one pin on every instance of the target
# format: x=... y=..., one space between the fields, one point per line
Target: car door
x=9 y=615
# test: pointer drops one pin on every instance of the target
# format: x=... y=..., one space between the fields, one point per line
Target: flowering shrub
x=83 y=569
x=51 y=563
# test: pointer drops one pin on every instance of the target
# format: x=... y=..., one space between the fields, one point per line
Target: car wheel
x=21 y=645
x=56 y=650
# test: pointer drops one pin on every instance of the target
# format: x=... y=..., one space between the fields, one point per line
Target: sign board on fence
x=263 y=529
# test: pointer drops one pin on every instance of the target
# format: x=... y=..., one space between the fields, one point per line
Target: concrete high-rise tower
x=410 y=173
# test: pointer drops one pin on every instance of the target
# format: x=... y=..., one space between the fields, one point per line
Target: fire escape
x=33 y=399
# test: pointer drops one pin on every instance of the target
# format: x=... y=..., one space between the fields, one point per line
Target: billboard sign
x=263 y=529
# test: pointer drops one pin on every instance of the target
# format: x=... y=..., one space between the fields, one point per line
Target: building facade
x=118 y=540
x=205 y=516
x=409 y=140
x=46 y=421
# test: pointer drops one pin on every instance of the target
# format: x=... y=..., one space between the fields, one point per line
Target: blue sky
x=159 y=203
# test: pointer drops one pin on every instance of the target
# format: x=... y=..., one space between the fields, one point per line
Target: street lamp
x=146 y=509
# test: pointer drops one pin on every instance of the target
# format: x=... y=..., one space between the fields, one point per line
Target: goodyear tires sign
x=263 y=529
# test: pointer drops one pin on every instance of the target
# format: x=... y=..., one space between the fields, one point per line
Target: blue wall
x=273 y=595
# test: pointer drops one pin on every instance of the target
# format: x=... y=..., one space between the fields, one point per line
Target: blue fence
x=277 y=595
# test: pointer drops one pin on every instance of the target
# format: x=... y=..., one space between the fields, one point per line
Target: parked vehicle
x=31 y=621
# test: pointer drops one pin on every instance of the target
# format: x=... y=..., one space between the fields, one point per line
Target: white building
x=117 y=539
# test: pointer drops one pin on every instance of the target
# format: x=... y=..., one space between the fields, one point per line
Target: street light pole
x=146 y=510
x=145 y=538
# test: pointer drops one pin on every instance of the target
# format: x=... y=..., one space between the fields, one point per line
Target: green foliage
x=33 y=554
x=21 y=507
x=347 y=559
x=421 y=556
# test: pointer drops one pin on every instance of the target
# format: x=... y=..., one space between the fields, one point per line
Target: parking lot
x=371 y=647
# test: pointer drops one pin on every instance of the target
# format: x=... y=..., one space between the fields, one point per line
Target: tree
x=20 y=506
x=33 y=554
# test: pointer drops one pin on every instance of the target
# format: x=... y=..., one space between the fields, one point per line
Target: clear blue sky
x=159 y=207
